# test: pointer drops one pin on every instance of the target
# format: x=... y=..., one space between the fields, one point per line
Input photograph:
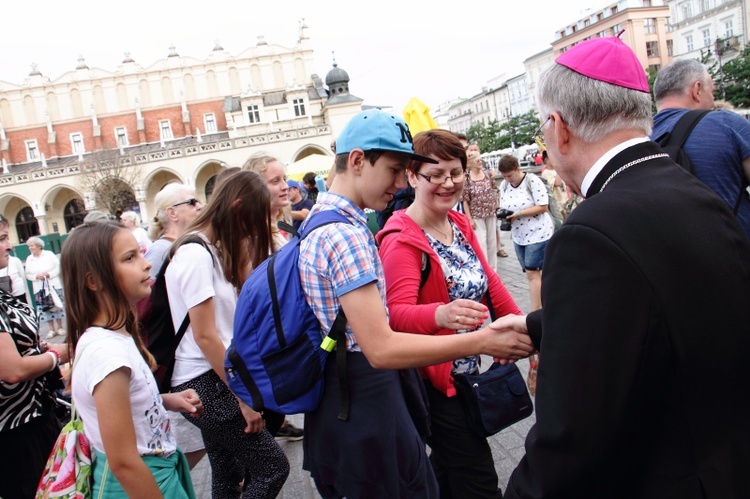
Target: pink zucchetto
x=606 y=59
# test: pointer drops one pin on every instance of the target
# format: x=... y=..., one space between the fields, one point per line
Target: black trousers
x=461 y=459
x=23 y=453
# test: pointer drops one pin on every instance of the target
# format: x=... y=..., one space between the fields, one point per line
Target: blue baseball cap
x=375 y=130
x=292 y=184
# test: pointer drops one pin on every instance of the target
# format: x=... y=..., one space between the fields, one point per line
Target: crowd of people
x=641 y=318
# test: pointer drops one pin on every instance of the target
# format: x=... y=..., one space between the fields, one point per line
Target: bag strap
x=683 y=128
x=336 y=337
x=186 y=321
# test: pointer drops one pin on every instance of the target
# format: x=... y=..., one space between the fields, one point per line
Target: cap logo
x=405 y=133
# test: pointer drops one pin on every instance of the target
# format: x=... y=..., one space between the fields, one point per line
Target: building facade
x=713 y=30
x=179 y=119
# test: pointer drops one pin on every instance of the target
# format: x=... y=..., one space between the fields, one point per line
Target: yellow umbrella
x=417 y=116
x=320 y=164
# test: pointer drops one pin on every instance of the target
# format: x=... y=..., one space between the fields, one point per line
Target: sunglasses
x=191 y=202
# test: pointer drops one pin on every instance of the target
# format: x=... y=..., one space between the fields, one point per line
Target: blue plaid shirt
x=338 y=258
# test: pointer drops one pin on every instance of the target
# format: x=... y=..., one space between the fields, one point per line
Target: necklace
x=445 y=235
x=632 y=163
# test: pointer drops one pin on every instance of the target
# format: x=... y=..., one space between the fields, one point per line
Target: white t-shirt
x=102 y=352
x=192 y=278
x=527 y=230
x=17 y=275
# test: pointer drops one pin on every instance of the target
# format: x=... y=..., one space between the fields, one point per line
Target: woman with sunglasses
x=176 y=207
x=430 y=236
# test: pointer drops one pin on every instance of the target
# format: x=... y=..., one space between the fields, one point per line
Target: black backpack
x=155 y=321
x=674 y=140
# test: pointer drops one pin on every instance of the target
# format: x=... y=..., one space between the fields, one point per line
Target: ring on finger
x=458 y=318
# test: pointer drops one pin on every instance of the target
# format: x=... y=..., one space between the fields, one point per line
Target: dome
x=336 y=75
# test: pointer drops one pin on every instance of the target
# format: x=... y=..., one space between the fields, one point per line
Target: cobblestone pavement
x=507 y=446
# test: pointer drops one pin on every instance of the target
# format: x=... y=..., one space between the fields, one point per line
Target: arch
x=308 y=150
x=29 y=108
x=122 y=96
x=213 y=87
x=100 y=105
x=299 y=71
x=115 y=196
x=61 y=204
x=145 y=93
x=10 y=206
x=255 y=77
x=189 y=83
x=75 y=103
x=166 y=90
x=155 y=181
x=26 y=224
x=278 y=75
x=205 y=177
x=234 y=81
x=53 y=107
x=73 y=213
x=6 y=113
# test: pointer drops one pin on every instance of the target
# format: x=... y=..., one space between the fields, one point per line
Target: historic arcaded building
x=64 y=141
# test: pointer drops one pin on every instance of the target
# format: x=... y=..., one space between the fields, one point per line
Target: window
x=649 y=26
x=121 y=133
x=686 y=10
x=652 y=49
x=165 y=129
x=689 y=43
x=616 y=28
x=706 y=37
x=253 y=115
x=599 y=16
x=209 y=122
x=587 y=22
x=646 y=3
x=614 y=10
x=76 y=143
x=670 y=48
x=728 y=28
x=32 y=151
x=705 y=5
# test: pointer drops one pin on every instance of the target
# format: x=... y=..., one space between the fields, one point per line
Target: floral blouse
x=481 y=196
x=464 y=278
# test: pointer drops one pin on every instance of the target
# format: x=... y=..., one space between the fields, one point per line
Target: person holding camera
x=523 y=203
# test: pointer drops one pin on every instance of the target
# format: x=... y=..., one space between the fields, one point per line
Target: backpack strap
x=288 y=228
x=682 y=129
x=186 y=321
x=337 y=334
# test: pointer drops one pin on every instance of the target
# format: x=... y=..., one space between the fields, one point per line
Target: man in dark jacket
x=643 y=335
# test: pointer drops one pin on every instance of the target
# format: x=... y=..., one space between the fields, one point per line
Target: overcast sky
x=392 y=50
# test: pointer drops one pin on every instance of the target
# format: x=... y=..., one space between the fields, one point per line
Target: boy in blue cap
x=377 y=451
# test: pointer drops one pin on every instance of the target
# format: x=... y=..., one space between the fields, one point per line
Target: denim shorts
x=531 y=257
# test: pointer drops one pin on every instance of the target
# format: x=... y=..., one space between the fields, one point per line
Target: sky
x=392 y=50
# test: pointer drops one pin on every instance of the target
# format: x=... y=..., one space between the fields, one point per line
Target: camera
x=503 y=215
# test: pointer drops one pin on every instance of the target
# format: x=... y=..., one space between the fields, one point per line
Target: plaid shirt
x=338 y=258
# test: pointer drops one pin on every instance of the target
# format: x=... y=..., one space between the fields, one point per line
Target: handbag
x=56 y=299
x=68 y=472
x=44 y=300
x=494 y=399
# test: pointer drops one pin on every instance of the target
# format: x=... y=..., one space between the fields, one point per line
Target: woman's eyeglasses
x=442 y=179
x=191 y=202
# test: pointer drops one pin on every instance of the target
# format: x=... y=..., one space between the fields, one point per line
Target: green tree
x=486 y=137
x=517 y=131
x=734 y=79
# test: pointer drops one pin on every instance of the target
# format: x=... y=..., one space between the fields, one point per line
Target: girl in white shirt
x=245 y=459
x=114 y=391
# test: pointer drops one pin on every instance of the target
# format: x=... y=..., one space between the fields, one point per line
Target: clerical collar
x=602 y=162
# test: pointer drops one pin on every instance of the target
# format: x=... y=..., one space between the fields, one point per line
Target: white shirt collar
x=601 y=162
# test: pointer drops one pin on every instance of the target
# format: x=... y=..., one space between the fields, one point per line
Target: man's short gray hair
x=674 y=79
x=592 y=109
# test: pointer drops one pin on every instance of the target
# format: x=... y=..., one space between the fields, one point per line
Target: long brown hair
x=239 y=215
x=87 y=257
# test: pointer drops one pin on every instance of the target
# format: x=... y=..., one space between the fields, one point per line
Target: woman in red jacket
x=450 y=298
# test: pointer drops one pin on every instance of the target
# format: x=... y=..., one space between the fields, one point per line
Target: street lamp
x=721 y=46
